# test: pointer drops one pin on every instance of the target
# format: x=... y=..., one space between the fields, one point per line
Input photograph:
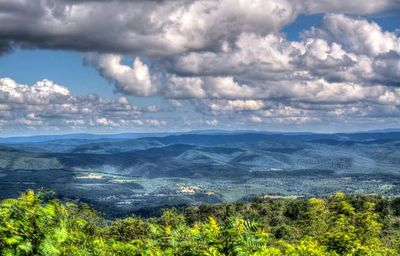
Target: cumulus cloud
x=348 y=7
x=356 y=35
x=206 y=87
x=255 y=119
x=155 y=122
x=223 y=58
x=250 y=55
x=274 y=58
x=135 y=80
x=185 y=87
x=193 y=40
x=42 y=93
x=371 y=54
x=144 y=27
x=226 y=87
x=156 y=28
x=387 y=67
x=48 y=104
x=317 y=91
x=236 y=105
x=212 y=122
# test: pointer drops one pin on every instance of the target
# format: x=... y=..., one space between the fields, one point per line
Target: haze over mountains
x=130 y=172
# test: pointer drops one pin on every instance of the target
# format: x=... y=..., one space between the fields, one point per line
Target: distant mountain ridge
x=86 y=137
x=130 y=172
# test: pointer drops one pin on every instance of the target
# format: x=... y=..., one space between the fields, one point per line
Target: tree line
x=340 y=224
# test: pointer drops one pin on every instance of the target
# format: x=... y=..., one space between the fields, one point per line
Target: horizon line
x=383 y=130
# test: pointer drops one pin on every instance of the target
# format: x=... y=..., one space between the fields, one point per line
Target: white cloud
x=223 y=57
x=155 y=122
x=356 y=35
x=226 y=87
x=102 y=121
x=173 y=102
x=123 y=101
x=319 y=70
x=251 y=55
x=135 y=80
x=152 y=108
x=349 y=7
x=141 y=27
x=207 y=87
x=46 y=104
x=321 y=91
x=43 y=92
x=156 y=28
x=317 y=91
x=185 y=87
x=255 y=119
x=212 y=122
x=236 y=105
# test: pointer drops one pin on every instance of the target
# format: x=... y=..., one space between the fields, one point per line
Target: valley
x=123 y=175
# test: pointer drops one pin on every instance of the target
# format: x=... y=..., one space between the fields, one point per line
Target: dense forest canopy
x=35 y=224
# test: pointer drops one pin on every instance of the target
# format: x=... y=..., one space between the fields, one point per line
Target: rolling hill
x=132 y=174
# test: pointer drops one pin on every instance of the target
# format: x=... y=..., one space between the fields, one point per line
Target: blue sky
x=312 y=67
x=66 y=68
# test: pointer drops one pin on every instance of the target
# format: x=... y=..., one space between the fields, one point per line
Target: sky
x=72 y=66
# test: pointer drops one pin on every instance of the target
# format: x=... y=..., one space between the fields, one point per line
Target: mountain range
x=122 y=173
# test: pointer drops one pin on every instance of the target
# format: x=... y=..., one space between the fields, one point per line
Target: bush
x=335 y=225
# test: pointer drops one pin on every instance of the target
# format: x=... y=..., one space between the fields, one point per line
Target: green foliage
x=335 y=225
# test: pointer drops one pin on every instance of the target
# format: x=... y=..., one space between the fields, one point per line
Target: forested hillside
x=36 y=224
x=120 y=175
